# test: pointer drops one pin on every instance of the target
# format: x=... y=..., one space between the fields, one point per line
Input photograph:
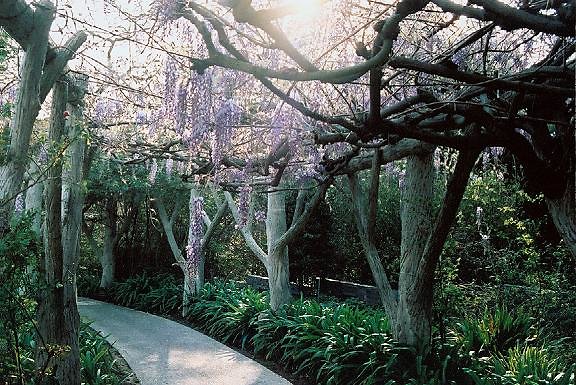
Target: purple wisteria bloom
x=141 y=118
x=244 y=205
x=181 y=108
x=19 y=204
x=169 y=166
x=200 y=98
x=106 y=110
x=170 y=78
x=260 y=216
x=226 y=119
x=43 y=154
x=153 y=171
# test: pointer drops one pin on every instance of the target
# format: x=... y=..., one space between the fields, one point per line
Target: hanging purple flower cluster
x=153 y=171
x=141 y=117
x=244 y=205
x=106 y=109
x=200 y=97
x=43 y=154
x=195 y=233
x=169 y=166
x=260 y=215
x=181 y=108
x=170 y=78
x=226 y=119
x=311 y=168
x=283 y=120
x=19 y=204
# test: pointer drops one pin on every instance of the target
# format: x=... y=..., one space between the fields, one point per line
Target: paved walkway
x=161 y=351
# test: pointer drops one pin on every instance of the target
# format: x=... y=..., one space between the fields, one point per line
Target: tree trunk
x=107 y=258
x=414 y=313
x=26 y=110
x=279 y=279
x=278 y=236
x=563 y=210
x=196 y=279
x=51 y=324
x=199 y=278
x=277 y=265
x=34 y=197
x=361 y=214
x=71 y=225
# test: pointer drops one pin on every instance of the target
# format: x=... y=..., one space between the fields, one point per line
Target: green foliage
x=494 y=333
x=525 y=365
x=18 y=254
x=160 y=293
x=88 y=279
x=97 y=364
x=336 y=344
x=227 y=312
x=19 y=251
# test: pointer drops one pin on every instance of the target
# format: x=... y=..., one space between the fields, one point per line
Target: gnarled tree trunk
x=279 y=235
x=277 y=266
x=107 y=260
x=192 y=283
x=71 y=226
x=25 y=112
x=415 y=305
x=410 y=311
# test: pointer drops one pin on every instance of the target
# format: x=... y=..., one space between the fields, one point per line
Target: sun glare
x=306 y=8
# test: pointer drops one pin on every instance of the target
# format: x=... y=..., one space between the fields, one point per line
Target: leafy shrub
x=166 y=299
x=87 y=283
x=525 y=365
x=19 y=250
x=98 y=363
x=160 y=293
x=335 y=344
x=493 y=333
x=227 y=312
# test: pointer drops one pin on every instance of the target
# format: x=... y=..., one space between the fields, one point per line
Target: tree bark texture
x=107 y=261
x=278 y=266
x=563 y=213
x=53 y=352
x=360 y=205
x=71 y=228
x=413 y=318
x=34 y=197
x=25 y=111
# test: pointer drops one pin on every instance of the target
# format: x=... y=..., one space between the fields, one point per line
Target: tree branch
x=297 y=227
x=476 y=79
x=53 y=69
x=507 y=17
x=248 y=237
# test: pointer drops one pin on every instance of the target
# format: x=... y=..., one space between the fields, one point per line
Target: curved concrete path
x=161 y=351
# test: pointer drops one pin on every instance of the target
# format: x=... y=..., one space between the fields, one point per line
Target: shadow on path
x=161 y=351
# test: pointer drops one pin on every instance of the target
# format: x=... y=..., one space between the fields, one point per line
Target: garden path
x=161 y=351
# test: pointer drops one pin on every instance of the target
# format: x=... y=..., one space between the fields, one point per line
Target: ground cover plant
x=18 y=331
x=98 y=364
x=334 y=342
